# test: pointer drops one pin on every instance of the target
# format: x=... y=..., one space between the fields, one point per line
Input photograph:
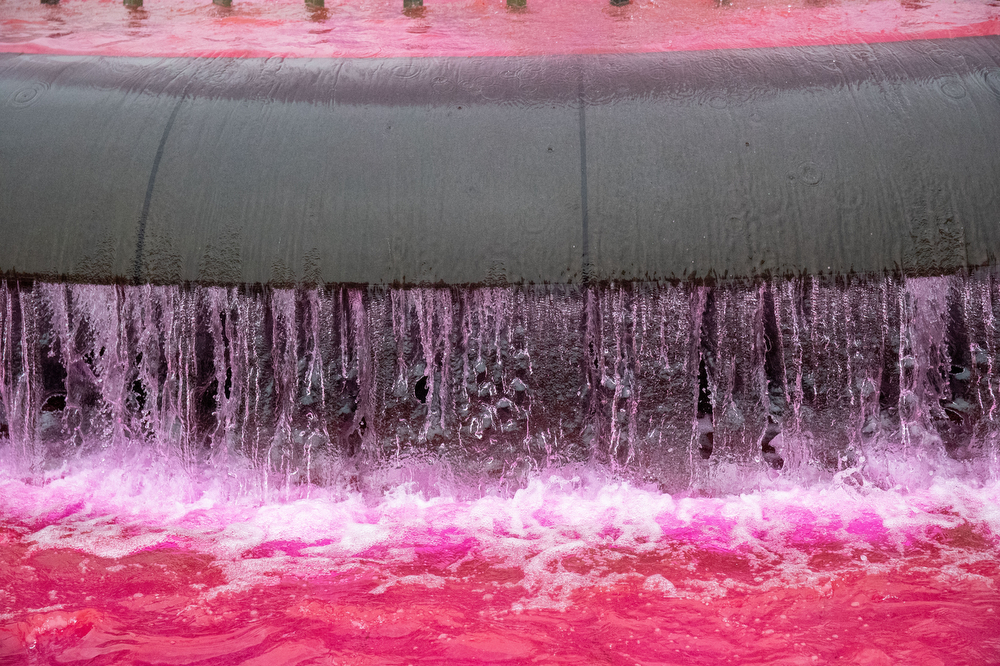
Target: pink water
x=134 y=552
x=211 y=476
x=380 y=28
x=99 y=568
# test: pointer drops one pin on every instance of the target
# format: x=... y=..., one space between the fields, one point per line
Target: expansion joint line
x=582 y=106
x=141 y=231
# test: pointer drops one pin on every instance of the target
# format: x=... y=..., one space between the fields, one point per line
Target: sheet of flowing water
x=382 y=28
x=783 y=472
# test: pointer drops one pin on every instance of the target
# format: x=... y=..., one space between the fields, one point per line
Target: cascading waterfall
x=689 y=388
x=585 y=424
x=745 y=472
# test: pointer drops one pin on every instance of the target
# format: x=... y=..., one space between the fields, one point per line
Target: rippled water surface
x=784 y=473
x=370 y=28
x=101 y=566
x=776 y=472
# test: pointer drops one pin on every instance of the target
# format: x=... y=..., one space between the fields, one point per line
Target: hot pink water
x=796 y=472
x=550 y=575
x=381 y=28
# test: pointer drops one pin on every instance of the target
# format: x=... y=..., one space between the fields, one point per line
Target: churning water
x=793 y=471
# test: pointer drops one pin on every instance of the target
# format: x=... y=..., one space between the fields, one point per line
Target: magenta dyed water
x=611 y=574
x=786 y=472
x=381 y=28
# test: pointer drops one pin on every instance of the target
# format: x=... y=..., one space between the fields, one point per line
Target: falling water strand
x=791 y=469
x=676 y=385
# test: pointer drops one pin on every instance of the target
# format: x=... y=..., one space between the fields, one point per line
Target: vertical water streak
x=738 y=383
x=865 y=380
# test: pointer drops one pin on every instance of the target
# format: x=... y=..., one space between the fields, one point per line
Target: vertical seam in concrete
x=585 y=214
x=141 y=231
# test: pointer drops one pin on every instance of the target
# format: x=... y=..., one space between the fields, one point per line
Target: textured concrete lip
x=560 y=169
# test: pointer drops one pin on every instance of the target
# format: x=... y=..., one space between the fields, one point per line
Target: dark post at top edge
x=674 y=166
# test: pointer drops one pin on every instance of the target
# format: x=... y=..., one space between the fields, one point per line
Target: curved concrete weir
x=521 y=357
x=562 y=169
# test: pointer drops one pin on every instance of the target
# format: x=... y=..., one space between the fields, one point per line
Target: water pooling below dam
x=785 y=471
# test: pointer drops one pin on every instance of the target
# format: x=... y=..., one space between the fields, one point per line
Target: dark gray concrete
x=494 y=170
x=893 y=171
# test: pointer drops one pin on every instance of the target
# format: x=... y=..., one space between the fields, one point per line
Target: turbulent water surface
x=772 y=472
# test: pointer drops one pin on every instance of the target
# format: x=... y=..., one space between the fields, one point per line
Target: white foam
x=561 y=536
x=657 y=583
x=429 y=581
